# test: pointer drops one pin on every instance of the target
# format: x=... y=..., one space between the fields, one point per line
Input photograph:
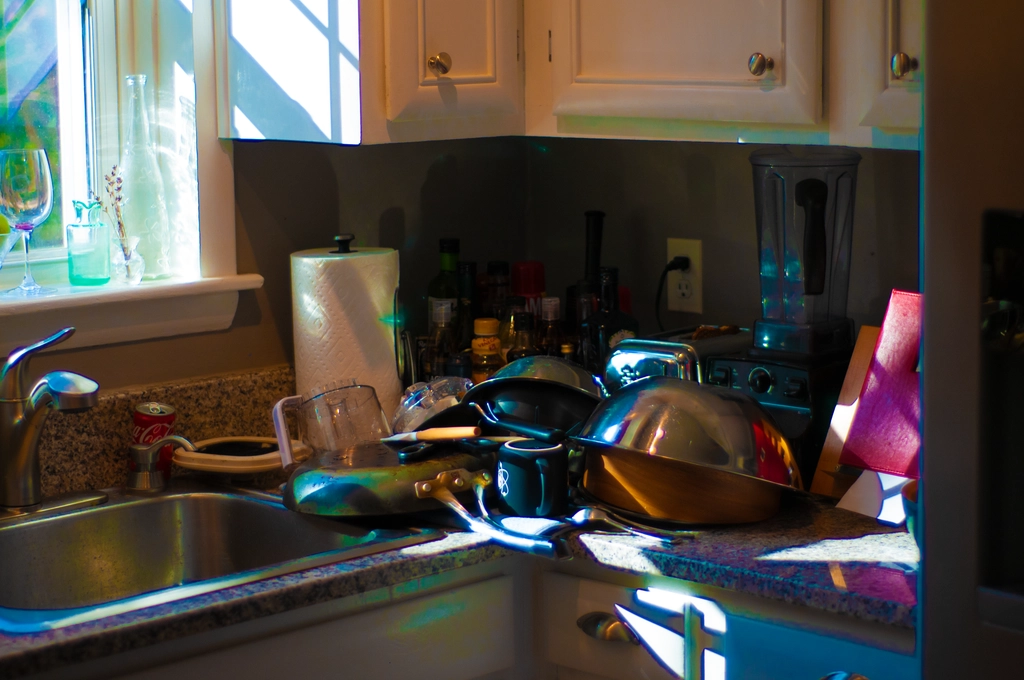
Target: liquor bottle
x=514 y=305
x=607 y=327
x=445 y=286
x=522 y=338
x=467 y=304
x=498 y=289
x=442 y=342
x=549 y=338
x=486 y=349
x=528 y=282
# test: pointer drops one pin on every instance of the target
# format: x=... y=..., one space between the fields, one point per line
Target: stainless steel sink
x=135 y=552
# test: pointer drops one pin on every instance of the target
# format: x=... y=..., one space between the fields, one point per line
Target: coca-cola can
x=153 y=421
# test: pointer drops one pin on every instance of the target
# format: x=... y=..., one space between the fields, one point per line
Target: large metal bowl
x=676 y=450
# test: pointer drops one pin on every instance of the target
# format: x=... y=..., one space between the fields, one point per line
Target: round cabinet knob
x=440 y=63
x=902 y=64
x=760 y=380
x=606 y=627
x=760 y=64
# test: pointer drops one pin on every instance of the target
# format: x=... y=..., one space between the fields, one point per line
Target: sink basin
x=135 y=552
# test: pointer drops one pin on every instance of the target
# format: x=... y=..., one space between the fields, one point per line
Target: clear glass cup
x=88 y=246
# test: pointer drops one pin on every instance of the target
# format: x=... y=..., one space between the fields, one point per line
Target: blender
x=802 y=343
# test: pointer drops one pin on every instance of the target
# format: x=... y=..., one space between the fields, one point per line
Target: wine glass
x=26 y=199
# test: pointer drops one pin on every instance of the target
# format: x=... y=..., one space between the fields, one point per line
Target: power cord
x=680 y=263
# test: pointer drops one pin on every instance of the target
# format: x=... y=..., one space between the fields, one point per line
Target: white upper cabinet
x=728 y=60
x=876 y=68
x=452 y=59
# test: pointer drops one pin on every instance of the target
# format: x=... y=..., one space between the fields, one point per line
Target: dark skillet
x=550 y=405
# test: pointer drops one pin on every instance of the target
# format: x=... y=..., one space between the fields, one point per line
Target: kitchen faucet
x=23 y=411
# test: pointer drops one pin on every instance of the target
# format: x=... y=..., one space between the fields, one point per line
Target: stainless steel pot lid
x=697 y=424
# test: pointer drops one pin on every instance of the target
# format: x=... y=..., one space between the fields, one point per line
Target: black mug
x=532 y=478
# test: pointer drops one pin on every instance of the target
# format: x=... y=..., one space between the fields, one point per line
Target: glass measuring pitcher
x=331 y=419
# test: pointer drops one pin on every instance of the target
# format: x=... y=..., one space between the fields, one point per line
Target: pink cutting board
x=884 y=435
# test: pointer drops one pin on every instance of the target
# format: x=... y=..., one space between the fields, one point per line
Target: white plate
x=209 y=462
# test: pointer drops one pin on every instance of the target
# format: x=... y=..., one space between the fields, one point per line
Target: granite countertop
x=809 y=554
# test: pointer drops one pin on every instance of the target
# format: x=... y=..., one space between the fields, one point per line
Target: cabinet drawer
x=461 y=633
x=565 y=599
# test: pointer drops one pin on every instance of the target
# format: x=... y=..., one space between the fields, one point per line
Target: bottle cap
x=450 y=245
x=523 y=321
x=567 y=348
x=550 y=309
x=528 y=278
x=442 y=312
x=485 y=326
x=497 y=268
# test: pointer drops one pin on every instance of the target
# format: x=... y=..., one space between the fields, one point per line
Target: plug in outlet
x=685 y=290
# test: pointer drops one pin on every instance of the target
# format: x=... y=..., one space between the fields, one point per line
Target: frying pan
x=371 y=479
x=674 y=450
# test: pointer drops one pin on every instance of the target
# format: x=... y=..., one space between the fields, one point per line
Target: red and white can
x=153 y=421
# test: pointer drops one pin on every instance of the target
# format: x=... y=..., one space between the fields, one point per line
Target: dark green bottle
x=445 y=286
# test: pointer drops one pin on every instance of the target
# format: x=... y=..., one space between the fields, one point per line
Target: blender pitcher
x=804 y=200
x=331 y=419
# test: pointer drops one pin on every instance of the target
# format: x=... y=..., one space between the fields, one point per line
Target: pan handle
x=438 y=489
x=548 y=435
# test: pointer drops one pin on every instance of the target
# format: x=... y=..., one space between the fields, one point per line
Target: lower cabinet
x=695 y=636
x=458 y=634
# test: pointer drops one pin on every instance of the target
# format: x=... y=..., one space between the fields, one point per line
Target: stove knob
x=760 y=380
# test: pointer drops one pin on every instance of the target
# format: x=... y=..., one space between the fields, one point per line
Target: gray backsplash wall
x=511 y=198
x=652 y=191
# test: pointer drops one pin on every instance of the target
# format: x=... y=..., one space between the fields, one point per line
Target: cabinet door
x=868 y=104
x=897 y=96
x=687 y=59
x=452 y=59
x=288 y=70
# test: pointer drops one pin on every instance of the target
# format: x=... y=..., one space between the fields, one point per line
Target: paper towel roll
x=342 y=320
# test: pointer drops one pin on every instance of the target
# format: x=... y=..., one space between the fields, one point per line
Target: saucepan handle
x=284 y=438
x=518 y=426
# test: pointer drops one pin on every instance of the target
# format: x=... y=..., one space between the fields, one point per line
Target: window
x=62 y=68
x=43 y=105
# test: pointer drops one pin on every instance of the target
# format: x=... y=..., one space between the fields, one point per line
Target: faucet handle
x=145 y=478
x=12 y=379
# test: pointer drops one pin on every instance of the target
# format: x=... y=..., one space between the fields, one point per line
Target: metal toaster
x=675 y=354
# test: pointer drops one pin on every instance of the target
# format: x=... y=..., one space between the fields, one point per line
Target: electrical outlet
x=685 y=290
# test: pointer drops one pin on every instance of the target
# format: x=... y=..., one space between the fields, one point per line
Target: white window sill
x=116 y=313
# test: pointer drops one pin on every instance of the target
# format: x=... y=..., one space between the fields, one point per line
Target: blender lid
x=804 y=156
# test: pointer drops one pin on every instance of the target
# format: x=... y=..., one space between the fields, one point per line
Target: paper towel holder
x=344 y=243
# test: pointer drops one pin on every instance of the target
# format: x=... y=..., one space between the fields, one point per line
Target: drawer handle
x=606 y=627
x=902 y=64
x=760 y=64
x=440 y=63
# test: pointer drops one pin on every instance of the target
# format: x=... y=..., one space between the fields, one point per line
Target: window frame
x=109 y=314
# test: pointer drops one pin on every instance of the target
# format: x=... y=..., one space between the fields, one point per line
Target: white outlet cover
x=674 y=284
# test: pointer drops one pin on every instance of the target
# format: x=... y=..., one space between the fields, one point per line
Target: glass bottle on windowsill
x=608 y=326
x=145 y=207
